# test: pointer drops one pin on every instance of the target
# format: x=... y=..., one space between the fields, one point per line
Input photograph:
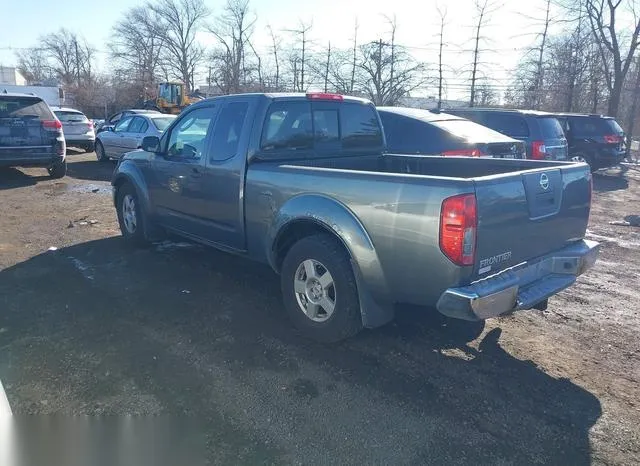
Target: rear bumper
x=29 y=160
x=520 y=287
x=80 y=139
x=609 y=157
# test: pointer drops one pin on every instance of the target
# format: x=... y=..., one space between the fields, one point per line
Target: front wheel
x=319 y=289
x=58 y=170
x=130 y=215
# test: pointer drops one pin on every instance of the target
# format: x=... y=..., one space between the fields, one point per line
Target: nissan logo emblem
x=544 y=181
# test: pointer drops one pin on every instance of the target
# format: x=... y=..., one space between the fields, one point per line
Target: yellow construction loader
x=171 y=98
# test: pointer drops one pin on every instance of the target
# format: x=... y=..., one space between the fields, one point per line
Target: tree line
x=592 y=65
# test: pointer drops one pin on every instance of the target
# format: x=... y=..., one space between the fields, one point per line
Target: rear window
x=301 y=125
x=70 y=117
x=613 y=125
x=24 y=107
x=550 y=128
x=466 y=129
x=359 y=126
x=510 y=124
x=594 y=126
x=162 y=123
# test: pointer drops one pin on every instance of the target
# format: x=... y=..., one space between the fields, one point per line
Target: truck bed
x=398 y=200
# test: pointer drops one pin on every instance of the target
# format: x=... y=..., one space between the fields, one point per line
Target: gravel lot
x=95 y=327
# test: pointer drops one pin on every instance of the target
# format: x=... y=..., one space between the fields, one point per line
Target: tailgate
x=20 y=132
x=528 y=214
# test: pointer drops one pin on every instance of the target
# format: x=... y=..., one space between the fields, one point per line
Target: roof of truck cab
x=419 y=114
x=278 y=96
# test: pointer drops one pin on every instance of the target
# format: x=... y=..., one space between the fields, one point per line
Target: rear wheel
x=58 y=170
x=319 y=289
x=130 y=215
x=584 y=158
x=89 y=148
x=100 y=155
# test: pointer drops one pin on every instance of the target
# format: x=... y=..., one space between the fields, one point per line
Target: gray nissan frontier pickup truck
x=303 y=183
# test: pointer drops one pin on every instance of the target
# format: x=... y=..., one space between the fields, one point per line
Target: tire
x=100 y=155
x=89 y=148
x=58 y=170
x=321 y=254
x=131 y=217
x=584 y=158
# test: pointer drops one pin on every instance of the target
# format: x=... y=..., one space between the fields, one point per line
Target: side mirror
x=151 y=144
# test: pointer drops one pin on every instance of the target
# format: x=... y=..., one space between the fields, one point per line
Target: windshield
x=162 y=123
x=551 y=128
x=467 y=129
x=70 y=117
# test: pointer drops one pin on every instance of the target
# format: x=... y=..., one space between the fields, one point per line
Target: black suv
x=595 y=139
x=30 y=134
x=540 y=131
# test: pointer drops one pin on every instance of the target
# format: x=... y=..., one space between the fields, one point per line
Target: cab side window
x=188 y=136
x=227 y=131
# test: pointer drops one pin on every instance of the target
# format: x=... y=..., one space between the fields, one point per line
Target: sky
x=512 y=27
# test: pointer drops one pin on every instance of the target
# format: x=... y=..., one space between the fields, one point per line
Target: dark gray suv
x=540 y=131
x=30 y=134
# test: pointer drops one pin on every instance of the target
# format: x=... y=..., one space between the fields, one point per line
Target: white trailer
x=52 y=95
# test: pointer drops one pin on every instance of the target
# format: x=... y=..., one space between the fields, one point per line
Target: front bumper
x=520 y=287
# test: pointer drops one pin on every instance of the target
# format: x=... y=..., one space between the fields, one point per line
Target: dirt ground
x=200 y=339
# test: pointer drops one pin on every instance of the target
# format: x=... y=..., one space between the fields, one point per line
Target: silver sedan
x=128 y=134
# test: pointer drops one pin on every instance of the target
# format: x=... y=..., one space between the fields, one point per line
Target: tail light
x=612 y=139
x=539 y=151
x=463 y=153
x=324 y=96
x=458 y=227
x=52 y=124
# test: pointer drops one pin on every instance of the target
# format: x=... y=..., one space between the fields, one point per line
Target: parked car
x=304 y=183
x=128 y=133
x=415 y=131
x=110 y=122
x=540 y=131
x=595 y=139
x=78 y=129
x=30 y=134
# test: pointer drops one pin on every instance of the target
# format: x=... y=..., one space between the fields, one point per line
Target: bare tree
x=137 y=47
x=482 y=10
x=354 y=62
x=388 y=71
x=633 y=110
x=233 y=30
x=275 y=50
x=298 y=58
x=539 y=82
x=443 y=19
x=70 y=57
x=33 y=63
x=180 y=21
x=603 y=16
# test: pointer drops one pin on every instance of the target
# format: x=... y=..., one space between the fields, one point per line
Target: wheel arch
x=310 y=214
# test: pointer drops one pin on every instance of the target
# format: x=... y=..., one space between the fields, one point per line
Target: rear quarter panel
x=399 y=213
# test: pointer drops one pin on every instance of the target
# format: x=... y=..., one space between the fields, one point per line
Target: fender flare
x=376 y=305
